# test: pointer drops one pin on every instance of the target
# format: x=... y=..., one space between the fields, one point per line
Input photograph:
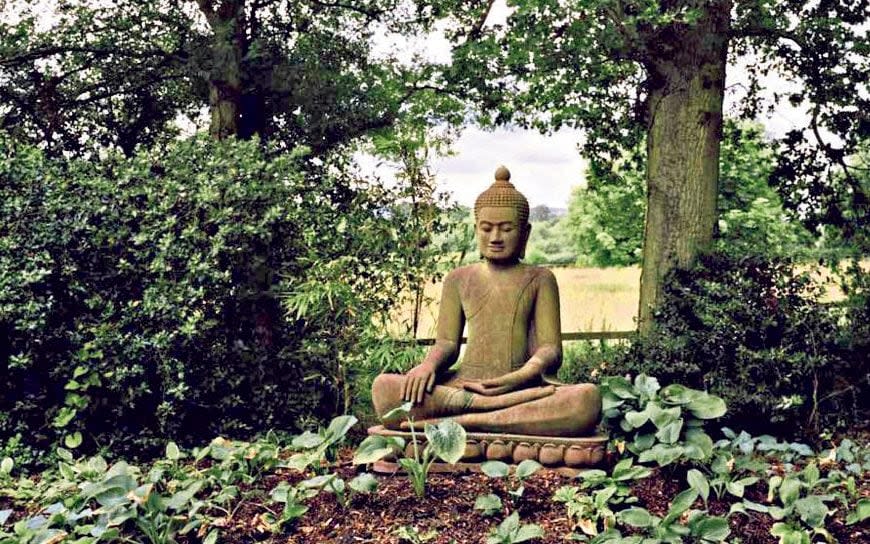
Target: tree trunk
x=227 y=22
x=685 y=123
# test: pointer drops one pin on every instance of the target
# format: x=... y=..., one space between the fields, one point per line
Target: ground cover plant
x=314 y=487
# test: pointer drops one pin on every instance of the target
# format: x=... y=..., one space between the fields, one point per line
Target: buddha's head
x=501 y=219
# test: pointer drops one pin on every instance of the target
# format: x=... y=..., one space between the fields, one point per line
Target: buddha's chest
x=498 y=319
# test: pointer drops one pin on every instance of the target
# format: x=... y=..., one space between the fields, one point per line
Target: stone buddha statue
x=505 y=381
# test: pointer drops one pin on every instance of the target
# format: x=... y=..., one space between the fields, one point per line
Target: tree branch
x=118 y=91
x=838 y=156
x=759 y=31
x=370 y=13
x=477 y=29
x=44 y=52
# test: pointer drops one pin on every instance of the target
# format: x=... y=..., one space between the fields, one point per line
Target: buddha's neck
x=502 y=266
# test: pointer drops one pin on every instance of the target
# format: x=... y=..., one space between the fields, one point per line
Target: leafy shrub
x=585 y=361
x=138 y=296
x=752 y=331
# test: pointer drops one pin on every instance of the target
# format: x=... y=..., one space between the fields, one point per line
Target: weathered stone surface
x=553 y=452
x=504 y=383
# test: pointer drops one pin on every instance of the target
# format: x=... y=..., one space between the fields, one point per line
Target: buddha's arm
x=548 y=327
x=421 y=379
x=548 y=341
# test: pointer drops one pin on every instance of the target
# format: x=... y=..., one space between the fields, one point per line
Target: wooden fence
x=566 y=336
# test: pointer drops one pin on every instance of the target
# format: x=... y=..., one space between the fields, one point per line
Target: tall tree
x=94 y=75
x=653 y=73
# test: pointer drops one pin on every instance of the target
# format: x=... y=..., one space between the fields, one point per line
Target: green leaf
x=861 y=512
x=670 y=433
x=495 y=469
x=307 y=440
x=789 y=535
x=293 y=511
x=810 y=475
x=642 y=442
x=179 y=500
x=6 y=465
x=811 y=510
x=64 y=416
x=618 y=386
x=661 y=454
x=398 y=412
x=646 y=386
x=707 y=406
x=678 y=394
x=610 y=401
x=376 y=447
x=789 y=490
x=318 y=482
x=488 y=504
x=72 y=441
x=301 y=461
x=712 y=529
x=364 y=483
x=66 y=455
x=621 y=468
x=527 y=467
x=778 y=513
x=636 y=419
x=735 y=488
x=447 y=440
x=699 y=483
x=528 y=532
x=662 y=416
x=635 y=517
x=4 y=516
x=172 y=451
x=682 y=502
x=212 y=537
x=338 y=428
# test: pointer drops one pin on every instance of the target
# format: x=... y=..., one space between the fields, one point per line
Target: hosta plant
x=444 y=440
x=658 y=424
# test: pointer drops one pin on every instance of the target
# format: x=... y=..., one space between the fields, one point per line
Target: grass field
x=592 y=299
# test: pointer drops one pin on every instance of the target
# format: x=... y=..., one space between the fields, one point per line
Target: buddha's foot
x=483 y=403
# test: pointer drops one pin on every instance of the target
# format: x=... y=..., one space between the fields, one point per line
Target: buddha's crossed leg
x=566 y=410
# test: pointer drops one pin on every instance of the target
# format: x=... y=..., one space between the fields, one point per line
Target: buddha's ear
x=527 y=230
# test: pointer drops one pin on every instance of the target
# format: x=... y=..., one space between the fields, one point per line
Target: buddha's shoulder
x=463 y=273
x=541 y=273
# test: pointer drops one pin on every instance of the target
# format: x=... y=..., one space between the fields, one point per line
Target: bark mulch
x=447 y=512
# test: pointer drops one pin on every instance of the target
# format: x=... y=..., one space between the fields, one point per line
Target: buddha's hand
x=518 y=379
x=418 y=381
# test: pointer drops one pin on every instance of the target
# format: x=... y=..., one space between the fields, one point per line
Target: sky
x=546 y=168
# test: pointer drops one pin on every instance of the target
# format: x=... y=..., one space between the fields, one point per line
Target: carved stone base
x=550 y=451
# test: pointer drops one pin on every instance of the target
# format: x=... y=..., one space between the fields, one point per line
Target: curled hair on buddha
x=503 y=194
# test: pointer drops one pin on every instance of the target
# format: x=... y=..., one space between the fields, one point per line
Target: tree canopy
x=294 y=73
x=653 y=73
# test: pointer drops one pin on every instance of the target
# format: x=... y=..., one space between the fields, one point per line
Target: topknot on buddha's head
x=503 y=194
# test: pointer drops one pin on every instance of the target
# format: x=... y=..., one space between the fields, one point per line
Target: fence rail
x=595 y=335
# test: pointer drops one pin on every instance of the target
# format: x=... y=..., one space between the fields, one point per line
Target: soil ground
x=446 y=513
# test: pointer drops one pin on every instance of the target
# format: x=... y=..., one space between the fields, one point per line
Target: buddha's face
x=501 y=237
